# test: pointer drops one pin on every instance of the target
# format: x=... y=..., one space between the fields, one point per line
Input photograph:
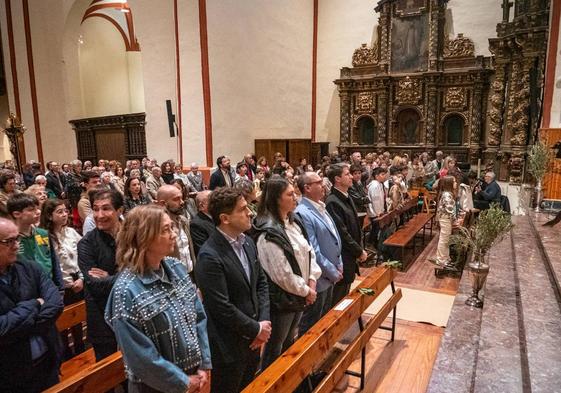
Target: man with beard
x=222 y=177
x=171 y=198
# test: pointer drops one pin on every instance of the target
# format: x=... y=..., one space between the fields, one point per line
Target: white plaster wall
x=194 y=146
x=342 y=27
x=476 y=19
x=260 y=56
x=104 y=73
x=154 y=28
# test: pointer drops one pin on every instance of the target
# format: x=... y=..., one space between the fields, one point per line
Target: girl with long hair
x=134 y=196
x=446 y=214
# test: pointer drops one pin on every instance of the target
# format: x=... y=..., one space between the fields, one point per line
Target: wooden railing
x=294 y=365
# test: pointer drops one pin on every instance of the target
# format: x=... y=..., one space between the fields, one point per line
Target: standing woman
x=168 y=171
x=134 y=195
x=54 y=218
x=154 y=310
x=446 y=214
x=289 y=262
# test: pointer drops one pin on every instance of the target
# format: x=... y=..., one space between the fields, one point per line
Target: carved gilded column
x=477 y=109
x=431 y=116
x=433 y=35
x=345 y=118
x=496 y=108
x=382 y=118
x=520 y=97
x=385 y=36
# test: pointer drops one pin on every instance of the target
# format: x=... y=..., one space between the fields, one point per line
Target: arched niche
x=102 y=61
x=365 y=131
x=408 y=127
x=453 y=131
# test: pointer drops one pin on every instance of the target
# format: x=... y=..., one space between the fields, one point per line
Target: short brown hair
x=223 y=200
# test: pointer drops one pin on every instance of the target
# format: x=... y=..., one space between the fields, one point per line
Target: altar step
x=512 y=344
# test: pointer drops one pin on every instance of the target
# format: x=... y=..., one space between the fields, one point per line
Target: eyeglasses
x=10 y=241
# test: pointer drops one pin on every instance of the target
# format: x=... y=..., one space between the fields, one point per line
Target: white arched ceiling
x=102 y=59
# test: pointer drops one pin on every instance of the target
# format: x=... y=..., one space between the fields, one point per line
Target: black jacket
x=53 y=183
x=359 y=196
x=201 y=228
x=343 y=212
x=21 y=317
x=234 y=305
x=217 y=179
x=97 y=249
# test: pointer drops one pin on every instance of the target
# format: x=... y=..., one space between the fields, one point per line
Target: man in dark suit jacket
x=492 y=193
x=201 y=225
x=342 y=209
x=222 y=177
x=55 y=180
x=235 y=294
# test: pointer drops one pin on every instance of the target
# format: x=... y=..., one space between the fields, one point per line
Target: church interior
x=194 y=80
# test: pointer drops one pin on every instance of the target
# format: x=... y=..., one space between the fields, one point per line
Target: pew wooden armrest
x=294 y=365
x=78 y=363
x=98 y=377
x=71 y=315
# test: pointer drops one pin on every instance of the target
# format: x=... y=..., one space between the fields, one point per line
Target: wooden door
x=298 y=149
x=552 y=179
x=110 y=145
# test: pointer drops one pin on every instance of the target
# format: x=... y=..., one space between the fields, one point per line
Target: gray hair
x=492 y=174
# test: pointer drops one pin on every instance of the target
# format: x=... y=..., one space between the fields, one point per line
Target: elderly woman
x=154 y=310
x=289 y=262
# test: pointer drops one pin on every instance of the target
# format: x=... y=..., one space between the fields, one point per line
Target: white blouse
x=278 y=268
x=67 y=251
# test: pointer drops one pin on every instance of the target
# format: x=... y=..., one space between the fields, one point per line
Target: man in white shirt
x=377 y=206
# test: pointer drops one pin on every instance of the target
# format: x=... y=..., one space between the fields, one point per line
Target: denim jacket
x=160 y=325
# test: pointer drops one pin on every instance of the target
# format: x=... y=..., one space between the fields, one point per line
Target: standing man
x=202 y=225
x=29 y=306
x=377 y=206
x=235 y=294
x=90 y=180
x=171 y=198
x=55 y=181
x=324 y=238
x=96 y=259
x=222 y=177
x=196 y=177
x=342 y=209
x=154 y=182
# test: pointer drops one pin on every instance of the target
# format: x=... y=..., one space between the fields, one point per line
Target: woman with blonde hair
x=154 y=310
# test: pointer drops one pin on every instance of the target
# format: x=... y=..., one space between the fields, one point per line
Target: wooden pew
x=298 y=361
x=408 y=232
x=96 y=377
x=73 y=315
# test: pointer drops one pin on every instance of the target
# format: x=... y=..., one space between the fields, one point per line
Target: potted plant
x=538 y=160
x=491 y=226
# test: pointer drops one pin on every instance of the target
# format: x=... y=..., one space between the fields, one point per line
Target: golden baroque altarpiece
x=416 y=89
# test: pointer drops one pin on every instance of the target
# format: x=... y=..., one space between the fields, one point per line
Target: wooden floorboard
x=404 y=365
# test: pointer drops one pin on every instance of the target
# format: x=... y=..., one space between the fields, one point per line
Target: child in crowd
x=446 y=214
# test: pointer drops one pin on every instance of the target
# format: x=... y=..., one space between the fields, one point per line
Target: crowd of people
x=185 y=278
